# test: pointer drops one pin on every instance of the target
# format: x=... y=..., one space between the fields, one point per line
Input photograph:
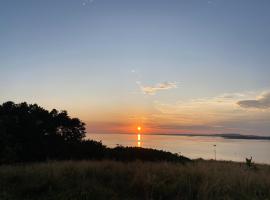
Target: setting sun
x=139 y=128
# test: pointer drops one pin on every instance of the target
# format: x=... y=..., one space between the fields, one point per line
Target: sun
x=139 y=128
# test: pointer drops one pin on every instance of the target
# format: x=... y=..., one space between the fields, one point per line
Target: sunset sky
x=169 y=66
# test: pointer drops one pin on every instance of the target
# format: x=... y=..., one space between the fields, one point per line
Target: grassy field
x=134 y=180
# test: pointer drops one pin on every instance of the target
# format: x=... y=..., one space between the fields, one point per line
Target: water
x=193 y=147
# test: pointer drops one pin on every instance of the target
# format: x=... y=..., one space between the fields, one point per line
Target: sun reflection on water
x=139 y=144
x=139 y=140
x=139 y=136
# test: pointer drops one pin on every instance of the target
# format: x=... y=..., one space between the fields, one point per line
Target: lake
x=193 y=146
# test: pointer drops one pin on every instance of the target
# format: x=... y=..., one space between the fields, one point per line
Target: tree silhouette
x=29 y=132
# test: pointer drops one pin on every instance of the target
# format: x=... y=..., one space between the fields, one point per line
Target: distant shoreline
x=225 y=136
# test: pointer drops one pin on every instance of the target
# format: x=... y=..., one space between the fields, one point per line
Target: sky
x=170 y=66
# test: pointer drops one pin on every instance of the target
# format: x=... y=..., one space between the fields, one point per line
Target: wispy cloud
x=152 y=90
x=262 y=102
x=221 y=113
x=85 y=2
x=198 y=111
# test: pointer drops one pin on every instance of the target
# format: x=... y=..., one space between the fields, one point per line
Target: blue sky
x=98 y=59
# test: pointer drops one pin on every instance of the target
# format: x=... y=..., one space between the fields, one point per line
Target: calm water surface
x=193 y=147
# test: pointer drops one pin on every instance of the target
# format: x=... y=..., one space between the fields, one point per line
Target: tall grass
x=134 y=180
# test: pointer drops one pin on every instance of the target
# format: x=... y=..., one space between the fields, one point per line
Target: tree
x=29 y=132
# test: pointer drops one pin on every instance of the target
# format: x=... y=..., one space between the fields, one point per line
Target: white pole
x=215 y=151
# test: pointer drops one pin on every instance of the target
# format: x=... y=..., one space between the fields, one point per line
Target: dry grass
x=135 y=180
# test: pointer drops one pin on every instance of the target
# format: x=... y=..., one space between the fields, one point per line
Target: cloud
x=206 y=110
x=85 y=2
x=215 y=114
x=197 y=111
x=152 y=90
x=228 y=96
x=263 y=102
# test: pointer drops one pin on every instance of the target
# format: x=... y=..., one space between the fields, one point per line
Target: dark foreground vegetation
x=76 y=180
x=29 y=133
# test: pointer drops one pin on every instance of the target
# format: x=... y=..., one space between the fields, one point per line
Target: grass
x=134 y=180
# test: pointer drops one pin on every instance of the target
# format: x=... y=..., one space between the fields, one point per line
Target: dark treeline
x=30 y=133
